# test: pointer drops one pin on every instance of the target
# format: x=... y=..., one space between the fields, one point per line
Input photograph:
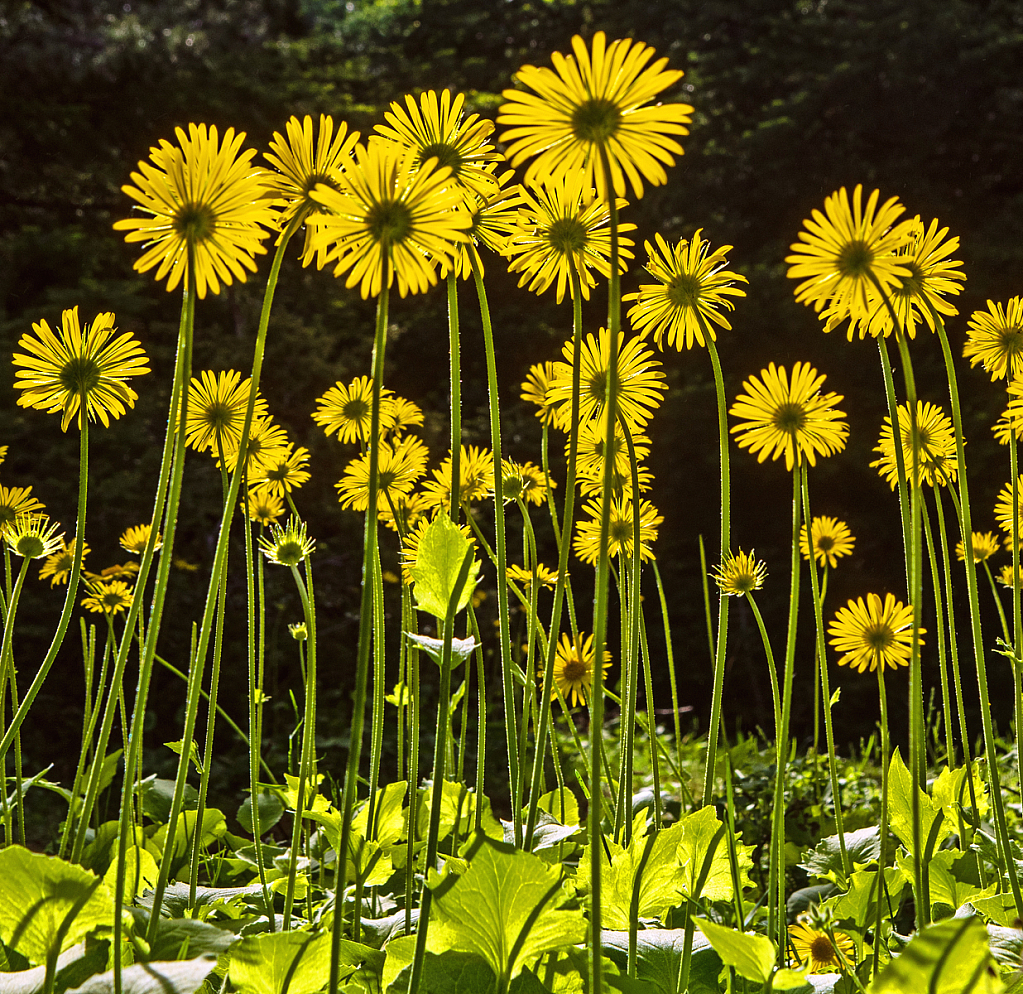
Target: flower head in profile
x=692 y=291
x=476 y=478
x=596 y=103
x=119 y=571
x=303 y=164
x=390 y=219
x=32 y=536
x=402 y=414
x=536 y=389
x=203 y=197
x=1006 y=507
x=436 y=128
x=562 y=232
x=399 y=467
x=61 y=561
x=815 y=949
x=640 y=381
x=935 y=443
x=621 y=532
x=524 y=481
x=843 y=251
x=740 y=574
x=1005 y=577
x=983 y=546
x=15 y=501
x=263 y=507
x=79 y=370
x=348 y=410
x=299 y=631
x=216 y=410
x=135 y=539
x=932 y=277
x=107 y=597
x=1011 y=421
x=404 y=512
x=545 y=576
x=872 y=633
x=831 y=540
x=494 y=220
x=994 y=338
x=788 y=415
x=573 y=668
x=289 y=545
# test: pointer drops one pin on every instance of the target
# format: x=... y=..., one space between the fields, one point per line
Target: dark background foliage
x=793 y=98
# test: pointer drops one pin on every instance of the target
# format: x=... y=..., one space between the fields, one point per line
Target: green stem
x=939 y=617
x=671 y=665
x=882 y=855
x=456 y=398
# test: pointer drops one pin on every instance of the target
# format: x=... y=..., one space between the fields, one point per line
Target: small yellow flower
x=283 y=470
x=814 y=948
x=122 y=571
x=287 y=546
x=936 y=447
x=263 y=507
x=984 y=546
x=58 y=565
x=405 y=514
x=1005 y=575
x=399 y=467
x=545 y=577
x=994 y=338
x=299 y=631
x=348 y=410
x=135 y=538
x=524 y=481
x=402 y=414
x=831 y=540
x=573 y=668
x=111 y=597
x=31 y=536
x=536 y=389
x=476 y=478
x=1004 y=508
x=870 y=633
x=591 y=440
x=266 y=445
x=15 y=501
x=216 y=410
x=740 y=574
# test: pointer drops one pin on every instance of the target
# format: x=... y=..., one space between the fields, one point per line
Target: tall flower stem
x=939 y=619
x=722 y=633
x=966 y=529
x=456 y=395
x=547 y=693
x=671 y=666
x=351 y=784
x=882 y=854
x=1017 y=614
x=507 y=679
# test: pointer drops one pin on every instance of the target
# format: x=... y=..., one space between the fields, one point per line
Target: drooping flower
x=79 y=369
x=216 y=410
x=620 y=533
x=287 y=546
x=872 y=633
x=545 y=577
x=595 y=104
x=402 y=414
x=843 y=250
x=936 y=447
x=573 y=668
x=994 y=338
x=205 y=196
x=562 y=229
x=740 y=574
x=1005 y=507
x=390 y=218
x=813 y=948
x=134 y=539
x=32 y=536
x=831 y=540
x=692 y=291
x=789 y=416
x=983 y=546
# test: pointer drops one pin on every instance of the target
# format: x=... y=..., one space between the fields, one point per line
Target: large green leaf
x=703 y=857
x=214 y=826
x=389 y=815
x=442 y=548
x=140 y=873
x=270 y=807
x=949 y=958
x=900 y=809
x=504 y=908
x=950 y=883
x=181 y=977
x=825 y=860
x=753 y=956
x=47 y=905
x=856 y=908
x=659 y=958
x=288 y=962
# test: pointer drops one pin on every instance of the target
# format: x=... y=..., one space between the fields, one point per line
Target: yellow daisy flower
x=287 y=546
x=110 y=597
x=545 y=577
x=121 y=571
x=216 y=407
x=283 y=470
x=81 y=370
x=843 y=250
x=31 y=536
x=267 y=442
x=348 y=410
x=399 y=467
x=789 y=416
x=437 y=129
x=591 y=442
x=1005 y=575
x=983 y=546
x=573 y=668
x=870 y=633
x=831 y=540
x=994 y=338
x=814 y=948
x=205 y=195
x=409 y=509
x=3 y=453
x=1004 y=507
x=304 y=165
x=15 y=501
x=494 y=217
x=620 y=534
x=523 y=480
x=263 y=507
x=740 y=574
x=560 y=230
x=936 y=444
x=931 y=277
x=59 y=563
x=476 y=478
x=593 y=103
x=402 y=414
x=640 y=380
x=693 y=288
x=390 y=215
x=134 y=539
x=536 y=389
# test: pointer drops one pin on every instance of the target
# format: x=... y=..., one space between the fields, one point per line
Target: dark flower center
x=575 y=670
x=596 y=120
x=390 y=222
x=195 y=223
x=621 y=531
x=30 y=546
x=289 y=552
x=825 y=543
x=879 y=637
x=387 y=479
x=218 y=414
x=444 y=153
x=567 y=236
x=684 y=291
x=314 y=179
x=1010 y=341
x=789 y=417
x=355 y=410
x=912 y=285
x=822 y=950
x=80 y=375
x=855 y=259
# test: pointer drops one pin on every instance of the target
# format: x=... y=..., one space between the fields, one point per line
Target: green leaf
x=949 y=878
x=788 y=980
x=1000 y=908
x=389 y=815
x=856 y=909
x=952 y=791
x=157 y=795
x=271 y=810
x=442 y=549
x=753 y=956
x=458 y=804
x=659 y=958
x=193 y=752
x=73 y=965
x=447 y=973
x=140 y=873
x=948 y=958
x=900 y=809
x=703 y=857
x=214 y=826
x=47 y=905
x=504 y=908
x=182 y=938
x=561 y=804
x=182 y=977
x=288 y=962
x=825 y=860
x=461 y=649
